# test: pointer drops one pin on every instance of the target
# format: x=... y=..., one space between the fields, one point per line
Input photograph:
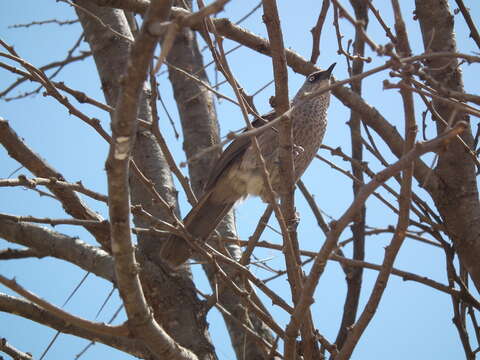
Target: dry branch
x=121 y=330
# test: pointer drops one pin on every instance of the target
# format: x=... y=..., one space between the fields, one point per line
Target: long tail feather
x=200 y=222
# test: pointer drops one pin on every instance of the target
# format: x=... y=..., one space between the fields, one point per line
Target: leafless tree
x=438 y=203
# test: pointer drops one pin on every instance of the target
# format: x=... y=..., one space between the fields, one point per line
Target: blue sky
x=412 y=320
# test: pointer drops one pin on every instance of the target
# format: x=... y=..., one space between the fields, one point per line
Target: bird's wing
x=234 y=151
x=228 y=157
x=260 y=121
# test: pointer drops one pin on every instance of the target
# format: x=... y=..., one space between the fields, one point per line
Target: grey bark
x=51 y=243
x=456 y=195
x=175 y=304
x=27 y=310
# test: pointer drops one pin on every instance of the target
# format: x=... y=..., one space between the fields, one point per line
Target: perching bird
x=238 y=173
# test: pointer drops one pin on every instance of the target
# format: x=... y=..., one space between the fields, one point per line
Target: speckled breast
x=309 y=123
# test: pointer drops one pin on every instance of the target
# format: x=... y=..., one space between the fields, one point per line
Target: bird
x=238 y=173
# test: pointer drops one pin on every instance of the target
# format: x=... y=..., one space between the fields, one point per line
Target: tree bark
x=174 y=302
x=456 y=196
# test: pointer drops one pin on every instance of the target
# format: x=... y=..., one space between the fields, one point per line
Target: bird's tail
x=200 y=222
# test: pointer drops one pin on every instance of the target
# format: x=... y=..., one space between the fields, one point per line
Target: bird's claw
x=297 y=150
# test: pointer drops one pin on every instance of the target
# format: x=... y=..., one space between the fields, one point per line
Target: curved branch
x=26 y=309
x=96 y=328
x=47 y=242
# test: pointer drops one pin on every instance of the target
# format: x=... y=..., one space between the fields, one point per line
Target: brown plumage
x=238 y=174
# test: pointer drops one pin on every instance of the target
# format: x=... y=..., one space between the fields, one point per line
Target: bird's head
x=315 y=81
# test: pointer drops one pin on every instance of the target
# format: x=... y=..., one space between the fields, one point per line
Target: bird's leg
x=297 y=150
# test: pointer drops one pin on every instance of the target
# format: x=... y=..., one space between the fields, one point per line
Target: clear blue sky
x=412 y=320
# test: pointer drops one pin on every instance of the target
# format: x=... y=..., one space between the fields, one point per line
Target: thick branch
x=97 y=328
x=141 y=320
x=455 y=167
x=47 y=242
x=12 y=305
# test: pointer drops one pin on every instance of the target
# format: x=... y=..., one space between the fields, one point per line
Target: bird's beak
x=330 y=69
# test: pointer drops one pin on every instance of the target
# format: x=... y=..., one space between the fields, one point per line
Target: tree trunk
x=172 y=298
x=456 y=196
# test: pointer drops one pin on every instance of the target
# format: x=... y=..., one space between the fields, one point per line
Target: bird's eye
x=311 y=78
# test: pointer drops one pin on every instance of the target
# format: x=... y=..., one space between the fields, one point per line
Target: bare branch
x=9 y=254
x=141 y=320
x=317 y=31
x=34 y=163
x=13 y=352
x=468 y=19
x=53 y=222
x=104 y=329
x=43 y=22
x=286 y=172
x=35 y=313
x=22 y=180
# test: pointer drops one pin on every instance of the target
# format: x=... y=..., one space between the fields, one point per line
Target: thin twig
x=44 y=22
x=468 y=19
x=317 y=31
x=31 y=183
